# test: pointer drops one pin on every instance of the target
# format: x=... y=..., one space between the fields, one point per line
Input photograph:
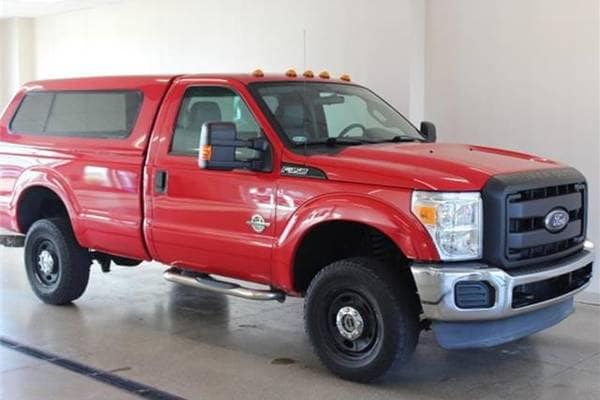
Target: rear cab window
x=87 y=114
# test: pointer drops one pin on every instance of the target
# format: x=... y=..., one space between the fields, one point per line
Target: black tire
x=65 y=274
x=386 y=306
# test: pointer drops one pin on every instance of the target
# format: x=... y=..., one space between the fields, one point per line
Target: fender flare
x=401 y=227
x=49 y=179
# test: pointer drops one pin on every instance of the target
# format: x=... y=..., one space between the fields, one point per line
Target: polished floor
x=200 y=345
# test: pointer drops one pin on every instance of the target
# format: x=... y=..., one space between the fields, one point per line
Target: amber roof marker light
x=291 y=73
x=308 y=74
x=345 y=78
x=258 y=73
x=324 y=75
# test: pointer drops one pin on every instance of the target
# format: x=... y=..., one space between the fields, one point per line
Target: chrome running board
x=206 y=282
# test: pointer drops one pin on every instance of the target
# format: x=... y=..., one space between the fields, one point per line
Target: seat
x=291 y=118
x=187 y=140
x=203 y=111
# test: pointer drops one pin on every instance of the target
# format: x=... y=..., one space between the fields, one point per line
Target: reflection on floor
x=200 y=345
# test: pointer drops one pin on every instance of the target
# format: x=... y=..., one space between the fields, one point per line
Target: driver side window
x=210 y=104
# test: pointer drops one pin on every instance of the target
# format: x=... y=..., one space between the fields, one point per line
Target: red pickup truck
x=307 y=185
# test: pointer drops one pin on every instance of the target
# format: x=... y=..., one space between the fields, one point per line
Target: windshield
x=330 y=113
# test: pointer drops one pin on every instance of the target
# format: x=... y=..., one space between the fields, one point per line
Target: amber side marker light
x=206 y=153
x=345 y=78
x=324 y=75
x=291 y=73
x=258 y=73
x=308 y=74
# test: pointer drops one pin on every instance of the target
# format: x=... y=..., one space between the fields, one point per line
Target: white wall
x=416 y=95
x=3 y=72
x=522 y=75
x=374 y=41
x=16 y=56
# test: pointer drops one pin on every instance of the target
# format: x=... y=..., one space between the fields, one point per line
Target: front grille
x=548 y=191
x=515 y=208
x=536 y=292
x=527 y=235
x=542 y=250
x=518 y=225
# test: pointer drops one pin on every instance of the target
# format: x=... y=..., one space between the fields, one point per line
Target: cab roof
x=128 y=81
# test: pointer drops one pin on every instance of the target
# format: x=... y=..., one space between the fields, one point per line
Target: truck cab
x=308 y=185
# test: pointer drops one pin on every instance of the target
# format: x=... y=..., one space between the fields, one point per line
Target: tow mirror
x=220 y=148
x=428 y=130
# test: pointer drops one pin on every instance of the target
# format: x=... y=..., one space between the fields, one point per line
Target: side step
x=207 y=283
x=12 y=240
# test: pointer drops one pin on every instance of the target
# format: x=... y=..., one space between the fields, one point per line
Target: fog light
x=474 y=294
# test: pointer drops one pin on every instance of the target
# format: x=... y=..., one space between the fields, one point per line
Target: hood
x=425 y=166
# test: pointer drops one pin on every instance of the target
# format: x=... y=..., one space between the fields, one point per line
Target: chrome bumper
x=435 y=286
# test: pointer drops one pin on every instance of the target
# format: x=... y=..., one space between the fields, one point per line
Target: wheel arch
x=389 y=224
x=45 y=185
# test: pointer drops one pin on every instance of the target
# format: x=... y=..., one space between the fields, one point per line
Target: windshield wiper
x=400 y=138
x=332 y=141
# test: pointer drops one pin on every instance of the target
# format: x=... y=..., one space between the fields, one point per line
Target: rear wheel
x=361 y=319
x=57 y=267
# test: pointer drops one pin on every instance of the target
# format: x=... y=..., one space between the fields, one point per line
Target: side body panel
x=99 y=180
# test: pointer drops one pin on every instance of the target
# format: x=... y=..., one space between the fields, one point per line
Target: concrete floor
x=201 y=345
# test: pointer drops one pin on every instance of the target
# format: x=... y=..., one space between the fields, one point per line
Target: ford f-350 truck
x=308 y=185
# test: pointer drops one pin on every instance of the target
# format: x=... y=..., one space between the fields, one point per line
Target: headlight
x=454 y=222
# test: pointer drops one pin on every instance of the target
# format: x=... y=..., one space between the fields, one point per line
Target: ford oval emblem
x=556 y=220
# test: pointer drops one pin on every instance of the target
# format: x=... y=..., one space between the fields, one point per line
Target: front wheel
x=58 y=269
x=361 y=319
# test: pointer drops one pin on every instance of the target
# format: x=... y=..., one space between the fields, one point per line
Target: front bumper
x=436 y=288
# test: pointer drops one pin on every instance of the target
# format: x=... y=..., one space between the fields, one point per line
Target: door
x=218 y=222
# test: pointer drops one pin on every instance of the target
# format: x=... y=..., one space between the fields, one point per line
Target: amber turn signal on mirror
x=206 y=153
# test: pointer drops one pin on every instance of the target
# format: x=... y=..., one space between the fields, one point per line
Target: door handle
x=160 y=182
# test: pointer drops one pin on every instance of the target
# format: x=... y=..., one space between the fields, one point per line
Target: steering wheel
x=344 y=132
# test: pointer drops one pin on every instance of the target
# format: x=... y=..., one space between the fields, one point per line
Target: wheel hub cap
x=46 y=262
x=350 y=323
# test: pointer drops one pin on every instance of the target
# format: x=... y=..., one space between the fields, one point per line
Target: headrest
x=203 y=111
x=291 y=115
